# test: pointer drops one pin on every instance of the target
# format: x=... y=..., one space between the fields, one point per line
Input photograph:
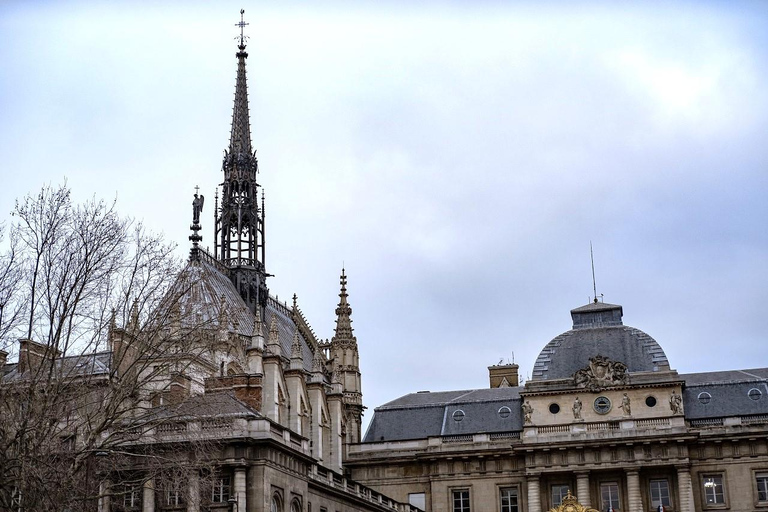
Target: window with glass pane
x=132 y=496
x=220 y=492
x=660 y=493
x=714 y=491
x=509 y=500
x=762 y=487
x=174 y=496
x=461 y=500
x=559 y=492
x=609 y=496
x=418 y=499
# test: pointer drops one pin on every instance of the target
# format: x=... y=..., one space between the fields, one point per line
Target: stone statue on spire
x=197 y=207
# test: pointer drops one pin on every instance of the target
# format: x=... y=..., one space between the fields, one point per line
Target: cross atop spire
x=240 y=138
x=240 y=222
x=242 y=25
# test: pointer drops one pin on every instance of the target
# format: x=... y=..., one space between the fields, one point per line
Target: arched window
x=295 y=506
x=276 y=505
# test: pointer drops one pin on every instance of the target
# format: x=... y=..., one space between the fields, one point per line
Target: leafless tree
x=97 y=301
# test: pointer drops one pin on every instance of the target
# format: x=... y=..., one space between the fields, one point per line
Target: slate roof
x=71 y=366
x=725 y=393
x=570 y=351
x=207 y=405
x=206 y=288
x=213 y=288
x=424 y=414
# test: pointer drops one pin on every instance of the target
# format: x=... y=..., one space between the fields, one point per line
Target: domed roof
x=598 y=330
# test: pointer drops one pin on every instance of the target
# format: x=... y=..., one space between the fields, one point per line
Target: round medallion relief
x=602 y=405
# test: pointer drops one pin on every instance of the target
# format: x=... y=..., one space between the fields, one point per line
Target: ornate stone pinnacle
x=317 y=361
x=296 y=351
x=343 y=331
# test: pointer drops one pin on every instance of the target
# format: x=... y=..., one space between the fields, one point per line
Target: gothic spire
x=240 y=137
x=343 y=312
x=240 y=222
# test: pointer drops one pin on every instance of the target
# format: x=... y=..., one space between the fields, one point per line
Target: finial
x=295 y=298
x=296 y=352
x=135 y=314
x=195 y=237
x=592 y=258
x=242 y=25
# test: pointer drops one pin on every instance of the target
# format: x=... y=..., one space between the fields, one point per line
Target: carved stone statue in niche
x=626 y=406
x=577 y=409
x=676 y=403
x=527 y=412
x=601 y=373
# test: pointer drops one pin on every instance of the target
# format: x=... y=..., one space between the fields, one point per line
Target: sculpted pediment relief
x=571 y=504
x=601 y=373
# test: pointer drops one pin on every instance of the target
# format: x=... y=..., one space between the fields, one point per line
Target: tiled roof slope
x=725 y=394
x=570 y=351
x=425 y=414
x=71 y=366
x=206 y=289
x=215 y=289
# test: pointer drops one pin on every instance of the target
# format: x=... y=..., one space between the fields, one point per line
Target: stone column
x=685 y=489
x=633 y=491
x=193 y=492
x=104 y=499
x=534 y=496
x=240 y=489
x=148 y=496
x=582 y=488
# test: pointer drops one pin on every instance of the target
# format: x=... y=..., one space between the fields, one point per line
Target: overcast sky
x=457 y=157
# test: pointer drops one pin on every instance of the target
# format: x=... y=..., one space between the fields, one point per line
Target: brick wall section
x=246 y=388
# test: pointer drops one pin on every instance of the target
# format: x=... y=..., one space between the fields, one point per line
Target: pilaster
x=582 y=488
x=148 y=496
x=240 y=489
x=534 y=494
x=633 y=491
x=685 y=489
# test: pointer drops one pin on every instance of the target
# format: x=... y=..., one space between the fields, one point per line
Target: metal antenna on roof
x=592 y=257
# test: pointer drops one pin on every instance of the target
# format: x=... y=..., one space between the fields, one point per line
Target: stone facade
x=623 y=431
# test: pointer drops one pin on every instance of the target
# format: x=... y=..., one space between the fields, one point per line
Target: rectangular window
x=609 y=496
x=559 y=492
x=418 y=499
x=509 y=500
x=220 y=491
x=762 y=487
x=174 y=496
x=660 y=493
x=461 y=500
x=132 y=496
x=714 y=490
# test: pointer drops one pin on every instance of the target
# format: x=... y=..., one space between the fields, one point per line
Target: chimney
x=33 y=354
x=180 y=388
x=503 y=375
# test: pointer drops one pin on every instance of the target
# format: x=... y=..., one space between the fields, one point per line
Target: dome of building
x=598 y=330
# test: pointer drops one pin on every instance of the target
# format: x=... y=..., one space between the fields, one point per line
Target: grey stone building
x=604 y=417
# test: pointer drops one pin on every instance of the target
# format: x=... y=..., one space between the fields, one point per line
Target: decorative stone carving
x=577 y=409
x=676 y=403
x=601 y=373
x=571 y=504
x=626 y=406
x=527 y=412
